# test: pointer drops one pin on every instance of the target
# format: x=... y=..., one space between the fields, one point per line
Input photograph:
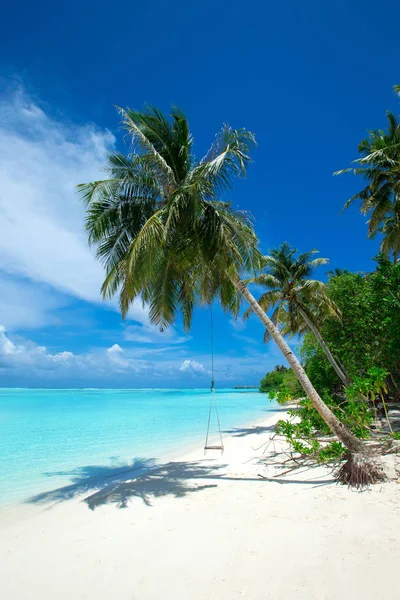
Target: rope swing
x=213 y=397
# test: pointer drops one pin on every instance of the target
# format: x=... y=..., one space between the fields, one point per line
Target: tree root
x=360 y=470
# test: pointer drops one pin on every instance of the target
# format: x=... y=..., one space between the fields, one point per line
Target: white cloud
x=149 y=334
x=192 y=366
x=28 y=305
x=6 y=345
x=41 y=219
x=23 y=360
x=63 y=357
x=25 y=357
x=22 y=353
x=115 y=349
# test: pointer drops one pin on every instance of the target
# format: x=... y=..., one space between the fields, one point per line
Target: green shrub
x=272 y=381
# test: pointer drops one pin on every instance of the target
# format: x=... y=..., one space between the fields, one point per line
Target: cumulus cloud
x=22 y=360
x=192 y=366
x=22 y=356
x=115 y=349
x=41 y=161
x=63 y=357
x=6 y=345
x=18 y=354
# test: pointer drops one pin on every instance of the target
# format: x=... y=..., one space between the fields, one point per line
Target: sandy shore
x=197 y=528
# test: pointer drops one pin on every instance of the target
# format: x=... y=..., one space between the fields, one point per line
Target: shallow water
x=46 y=436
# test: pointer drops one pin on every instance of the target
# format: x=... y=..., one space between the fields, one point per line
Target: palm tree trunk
x=345 y=436
x=339 y=372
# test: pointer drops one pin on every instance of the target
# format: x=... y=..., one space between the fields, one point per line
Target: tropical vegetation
x=301 y=304
x=367 y=342
x=369 y=332
x=165 y=234
x=281 y=383
x=379 y=165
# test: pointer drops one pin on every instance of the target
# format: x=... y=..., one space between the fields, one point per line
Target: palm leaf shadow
x=143 y=478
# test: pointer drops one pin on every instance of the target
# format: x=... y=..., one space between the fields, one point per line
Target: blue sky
x=308 y=78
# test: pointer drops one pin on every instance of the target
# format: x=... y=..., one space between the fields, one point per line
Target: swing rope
x=213 y=398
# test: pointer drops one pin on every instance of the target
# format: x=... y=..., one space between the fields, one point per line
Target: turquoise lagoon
x=48 y=435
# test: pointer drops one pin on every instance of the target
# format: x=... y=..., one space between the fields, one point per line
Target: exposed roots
x=360 y=470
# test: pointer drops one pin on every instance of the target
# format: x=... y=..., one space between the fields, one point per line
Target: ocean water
x=47 y=436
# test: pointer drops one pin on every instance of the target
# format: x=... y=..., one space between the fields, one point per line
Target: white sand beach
x=206 y=528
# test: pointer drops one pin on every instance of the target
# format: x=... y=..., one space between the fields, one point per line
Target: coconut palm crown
x=300 y=304
x=160 y=227
x=379 y=165
x=291 y=292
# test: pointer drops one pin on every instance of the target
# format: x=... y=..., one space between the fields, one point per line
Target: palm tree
x=280 y=369
x=337 y=272
x=164 y=235
x=380 y=198
x=301 y=304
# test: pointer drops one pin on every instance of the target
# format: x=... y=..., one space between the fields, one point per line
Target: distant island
x=246 y=387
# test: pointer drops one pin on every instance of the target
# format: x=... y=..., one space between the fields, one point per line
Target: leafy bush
x=291 y=385
x=305 y=426
x=272 y=381
x=281 y=384
x=367 y=343
x=331 y=452
x=369 y=335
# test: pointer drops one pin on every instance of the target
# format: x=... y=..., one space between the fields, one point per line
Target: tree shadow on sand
x=276 y=409
x=254 y=430
x=147 y=480
x=143 y=478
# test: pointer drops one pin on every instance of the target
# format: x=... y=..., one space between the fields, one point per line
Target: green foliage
x=305 y=426
x=158 y=222
x=283 y=396
x=369 y=336
x=301 y=435
x=368 y=343
x=291 y=292
x=309 y=419
x=331 y=452
x=357 y=416
x=281 y=384
x=291 y=385
x=379 y=166
x=272 y=381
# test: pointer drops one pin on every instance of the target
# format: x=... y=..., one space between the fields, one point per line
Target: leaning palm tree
x=300 y=304
x=379 y=165
x=164 y=235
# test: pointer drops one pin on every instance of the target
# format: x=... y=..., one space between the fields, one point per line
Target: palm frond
x=148 y=131
x=380 y=169
x=226 y=160
x=158 y=222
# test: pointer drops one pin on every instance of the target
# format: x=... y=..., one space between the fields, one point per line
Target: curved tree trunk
x=339 y=372
x=345 y=436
